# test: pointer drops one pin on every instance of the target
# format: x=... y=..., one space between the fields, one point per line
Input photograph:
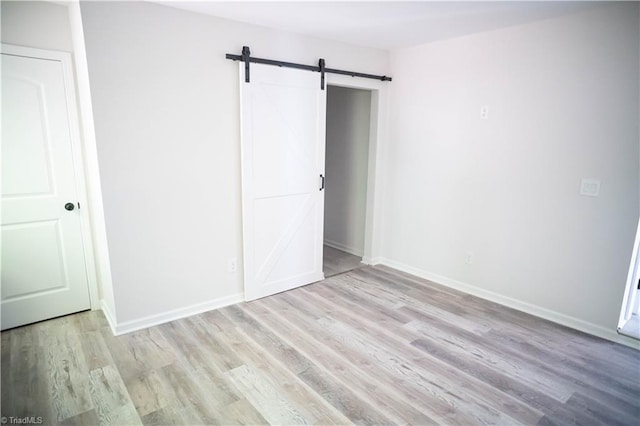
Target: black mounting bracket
x=246 y=57
x=321 y=66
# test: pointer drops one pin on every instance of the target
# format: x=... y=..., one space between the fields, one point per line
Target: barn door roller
x=247 y=59
x=322 y=70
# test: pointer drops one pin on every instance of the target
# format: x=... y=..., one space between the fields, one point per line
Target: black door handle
x=70 y=206
x=321 y=182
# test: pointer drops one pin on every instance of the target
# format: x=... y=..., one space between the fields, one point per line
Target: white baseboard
x=631 y=327
x=519 y=305
x=339 y=246
x=161 y=318
x=371 y=260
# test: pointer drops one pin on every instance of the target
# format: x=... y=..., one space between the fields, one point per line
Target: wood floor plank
x=337 y=261
x=86 y=322
x=563 y=340
x=270 y=403
x=411 y=292
x=513 y=368
x=381 y=310
x=361 y=398
x=534 y=364
x=193 y=354
x=243 y=413
x=26 y=378
x=95 y=351
x=268 y=340
x=110 y=398
x=431 y=378
x=6 y=398
x=367 y=359
x=554 y=410
x=173 y=415
x=603 y=412
x=321 y=381
x=87 y=418
x=140 y=351
x=305 y=400
x=197 y=340
x=69 y=390
x=447 y=405
x=398 y=337
x=191 y=397
x=150 y=393
x=593 y=380
x=409 y=285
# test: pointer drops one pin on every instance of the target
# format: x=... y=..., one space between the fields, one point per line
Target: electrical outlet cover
x=484 y=112
x=590 y=187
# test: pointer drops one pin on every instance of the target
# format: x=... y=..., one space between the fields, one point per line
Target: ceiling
x=384 y=24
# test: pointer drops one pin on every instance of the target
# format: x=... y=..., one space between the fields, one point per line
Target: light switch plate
x=590 y=187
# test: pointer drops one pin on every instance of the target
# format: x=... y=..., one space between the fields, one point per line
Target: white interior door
x=43 y=266
x=283 y=137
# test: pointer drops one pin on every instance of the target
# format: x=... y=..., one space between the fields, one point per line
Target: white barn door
x=283 y=147
x=43 y=265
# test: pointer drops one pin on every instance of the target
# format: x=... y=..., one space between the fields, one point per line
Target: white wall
x=166 y=112
x=36 y=24
x=346 y=167
x=563 y=99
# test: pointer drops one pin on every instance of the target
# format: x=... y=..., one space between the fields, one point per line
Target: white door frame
x=377 y=138
x=630 y=291
x=76 y=152
x=102 y=263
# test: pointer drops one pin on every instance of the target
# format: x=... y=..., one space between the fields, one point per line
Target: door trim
x=76 y=153
x=631 y=291
x=375 y=175
x=102 y=262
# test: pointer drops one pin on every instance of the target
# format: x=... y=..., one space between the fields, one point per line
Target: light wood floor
x=372 y=346
x=338 y=262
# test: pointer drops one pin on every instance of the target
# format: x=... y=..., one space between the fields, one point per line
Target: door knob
x=70 y=206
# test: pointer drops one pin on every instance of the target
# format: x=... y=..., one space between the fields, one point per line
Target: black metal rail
x=247 y=59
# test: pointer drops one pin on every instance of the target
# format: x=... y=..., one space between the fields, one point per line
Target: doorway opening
x=283 y=148
x=347 y=164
